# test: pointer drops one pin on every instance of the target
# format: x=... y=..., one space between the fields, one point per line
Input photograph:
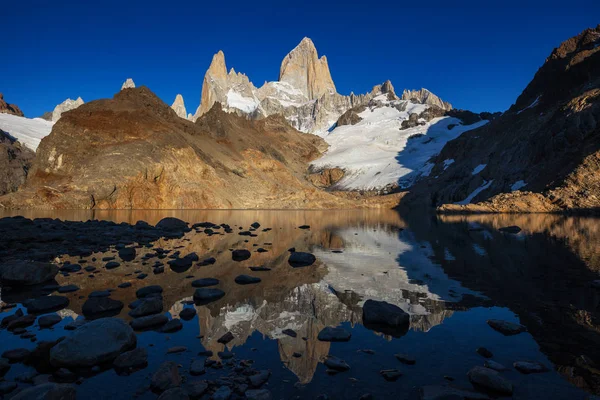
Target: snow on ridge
x=448 y=162
x=478 y=169
x=480 y=189
x=29 y=131
x=518 y=185
x=245 y=104
x=535 y=103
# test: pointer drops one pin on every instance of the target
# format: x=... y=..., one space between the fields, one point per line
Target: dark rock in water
x=94 y=343
x=299 y=259
x=148 y=322
x=127 y=253
x=296 y=355
x=510 y=229
x=4 y=367
x=330 y=334
x=48 y=320
x=158 y=270
x=405 y=359
x=174 y=394
x=528 y=367
x=261 y=250
x=207 y=295
x=259 y=269
x=112 y=265
x=173 y=325
x=240 y=255
x=226 y=338
x=225 y=355
x=494 y=365
x=336 y=364
x=259 y=379
x=21 y=322
x=46 y=304
x=131 y=360
x=148 y=306
x=246 y=279
x=70 y=268
x=187 y=314
x=171 y=224
x=197 y=368
x=439 y=392
x=68 y=289
x=489 y=379
x=222 y=393
x=124 y=285
x=483 y=352
x=289 y=332
x=17 y=314
x=148 y=290
x=16 y=355
x=258 y=394
x=198 y=283
x=90 y=268
x=47 y=391
x=304 y=227
x=385 y=317
x=255 y=225
x=100 y=293
x=142 y=276
x=245 y=233
x=166 y=377
x=196 y=389
x=505 y=327
x=63 y=375
x=7 y=387
x=390 y=375
x=208 y=261
x=97 y=307
x=24 y=273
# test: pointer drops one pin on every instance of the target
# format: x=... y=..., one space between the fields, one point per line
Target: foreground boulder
x=506 y=328
x=489 y=379
x=299 y=259
x=171 y=224
x=19 y=272
x=46 y=304
x=385 y=317
x=47 y=391
x=330 y=334
x=96 y=342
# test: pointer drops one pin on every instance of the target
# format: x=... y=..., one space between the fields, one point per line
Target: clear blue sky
x=477 y=55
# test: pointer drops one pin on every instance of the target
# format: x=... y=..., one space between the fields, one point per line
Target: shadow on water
x=449 y=273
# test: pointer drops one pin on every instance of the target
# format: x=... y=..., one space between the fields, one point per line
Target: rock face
x=303 y=69
x=65 y=106
x=15 y=161
x=26 y=272
x=424 y=96
x=542 y=155
x=137 y=153
x=6 y=108
x=179 y=107
x=128 y=84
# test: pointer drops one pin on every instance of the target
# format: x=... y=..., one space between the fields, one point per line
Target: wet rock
x=528 y=367
x=127 y=254
x=483 y=352
x=390 y=375
x=148 y=290
x=222 y=393
x=7 y=387
x=131 y=360
x=289 y=332
x=197 y=368
x=226 y=338
x=124 y=285
x=240 y=255
x=171 y=224
x=46 y=321
x=47 y=391
x=96 y=342
x=225 y=355
x=204 y=282
x=24 y=273
x=68 y=289
x=17 y=314
x=336 y=364
x=196 y=389
x=258 y=394
x=246 y=279
x=259 y=379
x=63 y=375
x=112 y=265
x=379 y=314
x=489 y=379
x=148 y=322
x=176 y=349
x=496 y=366
x=96 y=307
x=46 y=304
x=166 y=377
x=21 y=322
x=405 y=359
x=331 y=334
x=100 y=293
x=255 y=225
x=70 y=268
x=4 y=366
x=438 y=392
x=174 y=394
x=16 y=355
x=148 y=306
x=259 y=269
x=506 y=328
x=207 y=295
x=510 y=229
x=299 y=259
x=173 y=325
x=187 y=314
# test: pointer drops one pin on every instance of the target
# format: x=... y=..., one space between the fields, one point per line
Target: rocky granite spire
x=6 y=108
x=65 y=106
x=215 y=80
x=304 y=70
x=179 y=106
x=424 y=96
x=128 y=84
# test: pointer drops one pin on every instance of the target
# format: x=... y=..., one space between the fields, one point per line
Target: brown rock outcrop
x=6 y=108
x=15 y=161
x=327 y=177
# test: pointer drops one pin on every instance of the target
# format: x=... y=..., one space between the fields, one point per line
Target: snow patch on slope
x=26 y=130
x=245 y=104
x=478 y=169
x=518 y=185
x=480 y=189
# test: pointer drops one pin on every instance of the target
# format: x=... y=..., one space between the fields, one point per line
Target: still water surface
x=451 y=274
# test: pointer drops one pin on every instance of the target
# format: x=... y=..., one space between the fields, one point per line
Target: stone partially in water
x=171 y=224
x=148 y=306
x=483 y=352
x=384 y=317
x=299 y=259
x=68 y=289
x=259 y=379
x=173 y=325
x=510 y=229
x=166 y=377
x=222 y=393
x=48 y=320
x=207 y=295
x=405 y=359
x=330 y=334
x=46 y=304
x=529 y=367
x=47 y=391
x=148 y=290
x=96 y=342
x=127 y=254
x=148 y=322
x=96 y=307
x=196 y=389
x=204 y=282
x=174 y=394
x=390 y=375
x=496 y=366
x=438 y=392
x=258 y=394
x=506 y=328
x=489 y=379
x=240 y=255
x=226 y=338
x=336 y=364
x=19 y=272
x=16 y=355
x=131 y=360
x=246 y=279
x=187 y=313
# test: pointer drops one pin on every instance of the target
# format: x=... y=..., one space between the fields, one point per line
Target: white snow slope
x=375 y=153
x=26 y=130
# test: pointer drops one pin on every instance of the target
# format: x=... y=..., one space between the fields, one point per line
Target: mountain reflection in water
x=438 y=269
